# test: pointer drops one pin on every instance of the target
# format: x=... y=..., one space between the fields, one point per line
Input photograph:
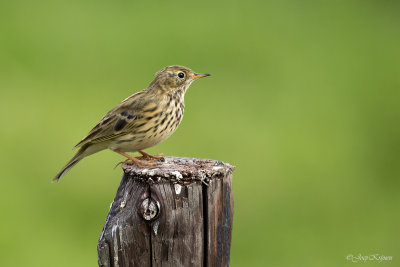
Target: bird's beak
x=200 y=75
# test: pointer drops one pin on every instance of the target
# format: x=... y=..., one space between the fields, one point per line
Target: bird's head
x=175 y=78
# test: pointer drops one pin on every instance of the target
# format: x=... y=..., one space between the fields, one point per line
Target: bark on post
x=178 y=213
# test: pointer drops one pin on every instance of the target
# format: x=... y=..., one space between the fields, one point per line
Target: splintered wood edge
x=179 y=170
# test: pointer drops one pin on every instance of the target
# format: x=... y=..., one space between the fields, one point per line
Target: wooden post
x=178 y=213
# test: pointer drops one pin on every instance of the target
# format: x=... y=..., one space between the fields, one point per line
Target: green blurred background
x=304 y=100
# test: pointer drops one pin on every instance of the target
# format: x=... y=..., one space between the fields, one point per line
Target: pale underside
x=130 y=143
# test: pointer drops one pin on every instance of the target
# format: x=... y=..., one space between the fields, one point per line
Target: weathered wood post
x=178 y=213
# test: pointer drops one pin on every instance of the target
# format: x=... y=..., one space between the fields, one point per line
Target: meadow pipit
x=142 y=120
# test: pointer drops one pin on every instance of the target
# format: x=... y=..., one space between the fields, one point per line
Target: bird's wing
x=118 y=121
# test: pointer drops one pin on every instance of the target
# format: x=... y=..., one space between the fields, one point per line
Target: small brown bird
x=143 y=120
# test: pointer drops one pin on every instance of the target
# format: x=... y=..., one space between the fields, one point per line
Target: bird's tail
x=78 y=156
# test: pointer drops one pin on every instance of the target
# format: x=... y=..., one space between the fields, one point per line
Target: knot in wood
x=149 y=209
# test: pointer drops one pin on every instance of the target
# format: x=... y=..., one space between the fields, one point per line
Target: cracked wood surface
x=177 y=213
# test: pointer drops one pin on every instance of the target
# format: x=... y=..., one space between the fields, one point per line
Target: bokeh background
x=304 y=100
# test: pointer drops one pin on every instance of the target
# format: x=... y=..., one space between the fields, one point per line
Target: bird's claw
x=158 y=157
x=139 y=163
x=119 y=163
x=136 y=162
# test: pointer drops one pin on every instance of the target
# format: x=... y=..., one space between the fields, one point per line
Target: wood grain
x=178 y=213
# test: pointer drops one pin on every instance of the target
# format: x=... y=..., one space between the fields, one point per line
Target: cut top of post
x=180 y=170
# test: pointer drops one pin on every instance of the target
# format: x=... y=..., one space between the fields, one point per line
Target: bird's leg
x=158 y=157
x=133 y=160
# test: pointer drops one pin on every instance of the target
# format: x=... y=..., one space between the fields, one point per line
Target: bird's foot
x=133 y=161
x=139 y=163
x=158 y=157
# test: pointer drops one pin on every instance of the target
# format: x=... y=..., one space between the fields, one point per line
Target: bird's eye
x=181 y=74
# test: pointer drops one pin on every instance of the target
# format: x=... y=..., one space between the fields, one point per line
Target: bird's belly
x=133 y=143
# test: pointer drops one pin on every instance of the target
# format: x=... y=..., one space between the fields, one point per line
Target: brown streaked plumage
x=140 y=121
